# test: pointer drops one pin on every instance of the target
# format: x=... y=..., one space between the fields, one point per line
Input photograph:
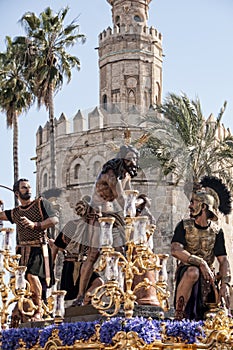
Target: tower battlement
x=99 y=119
x=150 y=32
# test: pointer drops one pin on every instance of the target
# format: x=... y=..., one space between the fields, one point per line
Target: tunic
x=29 y=241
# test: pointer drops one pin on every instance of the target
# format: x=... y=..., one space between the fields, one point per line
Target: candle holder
x=130 y=203
x=59 y=308
x=162 y=280
x=17 y=289
x=6 y=238
x=138 y=230
x=20 y=281
x=106 y=224
x=120 y=270
x=50 y=297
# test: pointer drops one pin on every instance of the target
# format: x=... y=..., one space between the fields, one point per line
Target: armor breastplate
x=200 y=242
x=34 y=213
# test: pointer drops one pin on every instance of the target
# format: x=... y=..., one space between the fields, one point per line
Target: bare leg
x=85 y=274
x=36 y=290
x=184 y=290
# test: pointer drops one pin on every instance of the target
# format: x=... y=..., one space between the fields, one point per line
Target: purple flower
x=110 y=328
x=69 y=332
x=187 y=331
x=10 y=338
x=147 y=329
x=45 y=333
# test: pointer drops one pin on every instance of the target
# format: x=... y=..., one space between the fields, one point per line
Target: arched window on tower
x=105 y=102
x=131 y=99
x=117 y=22
x=67 y=177
x=146 y=99
x=97 y=168
x=77 y=171
x=45 y=180
x=137 y=18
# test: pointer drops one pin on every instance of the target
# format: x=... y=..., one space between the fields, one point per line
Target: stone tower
x=130 y=59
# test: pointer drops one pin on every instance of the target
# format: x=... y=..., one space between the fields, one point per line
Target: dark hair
x=16 y=184
x=126 y=149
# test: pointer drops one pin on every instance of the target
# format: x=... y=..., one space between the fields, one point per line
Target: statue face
x=131 y=158
x=131 y=163
x=81 y=208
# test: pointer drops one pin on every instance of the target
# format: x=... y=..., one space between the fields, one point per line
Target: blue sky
x=198 y=49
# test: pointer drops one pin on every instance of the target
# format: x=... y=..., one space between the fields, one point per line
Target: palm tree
x=48 y=61
x=186 y=143
x=15 y=97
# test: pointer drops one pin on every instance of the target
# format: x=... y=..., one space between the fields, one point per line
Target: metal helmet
x=204 y=197
x=215 y=195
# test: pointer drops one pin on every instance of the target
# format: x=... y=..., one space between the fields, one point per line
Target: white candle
x=20 y=282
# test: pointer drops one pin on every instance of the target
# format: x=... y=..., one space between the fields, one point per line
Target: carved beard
x=81 y=208
x=131 y=169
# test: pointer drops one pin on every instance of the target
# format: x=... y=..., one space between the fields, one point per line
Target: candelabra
x=120 y=268
x=14 y=283
x=14 y=288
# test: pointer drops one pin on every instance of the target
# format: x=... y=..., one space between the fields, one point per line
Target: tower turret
x=129 y=11
x=130 y=58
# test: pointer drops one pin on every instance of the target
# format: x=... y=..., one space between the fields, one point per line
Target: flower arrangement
x=185 y=330
x=147 y=329
x=9 y=339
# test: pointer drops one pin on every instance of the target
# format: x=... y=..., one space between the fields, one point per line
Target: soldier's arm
x=178 y=251
x=47 y=223
x=225 y=274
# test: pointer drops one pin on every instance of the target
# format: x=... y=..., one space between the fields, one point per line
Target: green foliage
x=185 y=143
x=47 y=62
x=33 y=67
x=15 y=97
x=46 y=42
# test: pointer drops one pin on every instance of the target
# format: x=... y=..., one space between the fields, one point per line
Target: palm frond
x=184 y=142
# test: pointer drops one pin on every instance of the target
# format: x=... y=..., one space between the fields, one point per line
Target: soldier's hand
x=224 y=293
x=27 y=223
x=206 y=272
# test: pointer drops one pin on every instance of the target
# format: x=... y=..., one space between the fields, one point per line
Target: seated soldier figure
x=196 y=243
